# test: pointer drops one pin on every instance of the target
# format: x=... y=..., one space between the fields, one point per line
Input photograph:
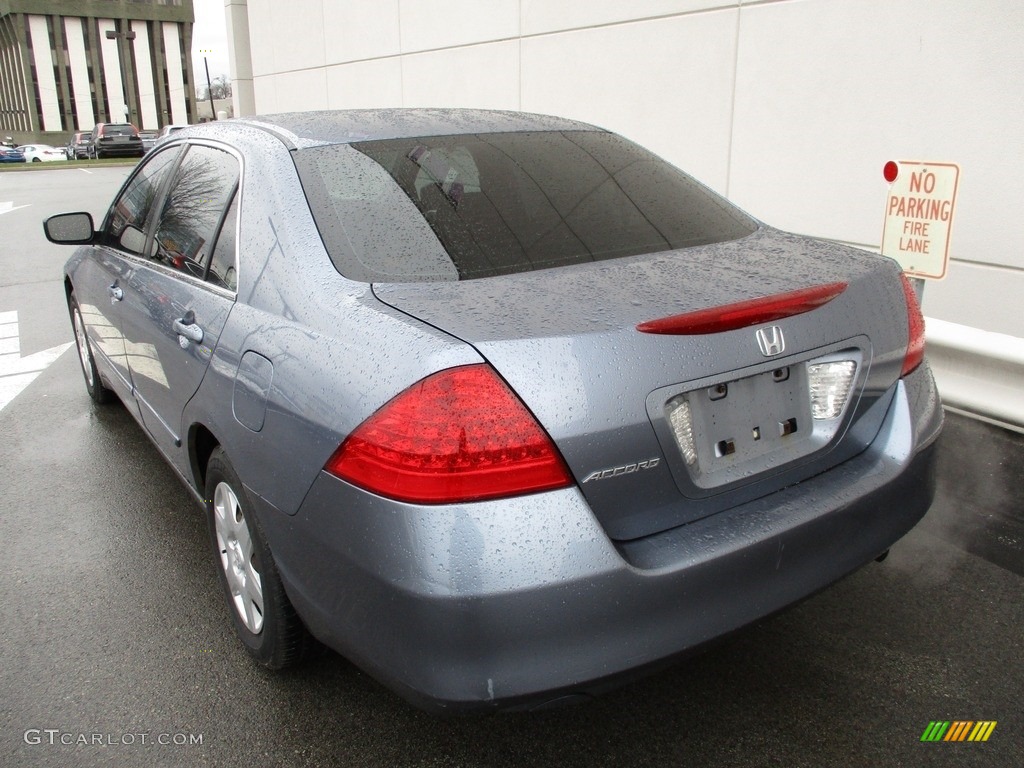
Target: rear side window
x=222 y=270
x=504 y=202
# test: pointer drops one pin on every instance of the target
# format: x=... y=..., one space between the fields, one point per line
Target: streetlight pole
x=119 y=36
x=209 y=90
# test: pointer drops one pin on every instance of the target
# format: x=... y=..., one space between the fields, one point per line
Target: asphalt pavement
x=115 y=646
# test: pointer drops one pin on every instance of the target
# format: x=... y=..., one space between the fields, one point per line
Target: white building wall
x=832 y=90
x=80 y=94
x=144 y=71
x=789 y=107
x=176 y=89
x=111 y=73
x=43 y=60
x=240 y=56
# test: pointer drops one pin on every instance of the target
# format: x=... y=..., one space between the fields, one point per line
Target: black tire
x=93 y=383
x=272 y=633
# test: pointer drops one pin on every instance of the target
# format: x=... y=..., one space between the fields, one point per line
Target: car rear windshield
x=478 y=205
x=118 y=130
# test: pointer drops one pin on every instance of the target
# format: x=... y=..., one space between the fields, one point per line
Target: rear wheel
x=36 y=160
x=93 y=384
x=263 y=617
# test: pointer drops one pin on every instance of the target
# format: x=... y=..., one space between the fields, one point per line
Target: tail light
x=458 y=435
x=915 y=328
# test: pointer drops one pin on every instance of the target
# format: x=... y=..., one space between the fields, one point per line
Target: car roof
x=346 y=126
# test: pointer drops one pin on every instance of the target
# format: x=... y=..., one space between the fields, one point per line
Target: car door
x=179 y=296
x=101 y=278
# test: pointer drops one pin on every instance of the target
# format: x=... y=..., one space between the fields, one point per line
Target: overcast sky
x=210 y=39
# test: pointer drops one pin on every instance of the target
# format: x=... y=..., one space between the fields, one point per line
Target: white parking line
x=17 y=372
x=9 y=206
x=85 y=171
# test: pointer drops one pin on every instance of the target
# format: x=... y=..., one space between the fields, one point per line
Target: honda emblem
x=771 y=341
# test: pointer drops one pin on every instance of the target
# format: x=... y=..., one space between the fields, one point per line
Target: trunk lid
x=566 y=341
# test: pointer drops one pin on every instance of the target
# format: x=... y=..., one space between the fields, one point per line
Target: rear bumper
x=523 y=601
x=119 y=150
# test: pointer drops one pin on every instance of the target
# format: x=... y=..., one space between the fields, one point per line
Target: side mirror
x=134 y=239
x=69 y=229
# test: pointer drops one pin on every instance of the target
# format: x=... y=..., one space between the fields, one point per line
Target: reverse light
x=681 y=420
x=744 y=314
x=456 y=436
x=915 y=328
x=830 y=385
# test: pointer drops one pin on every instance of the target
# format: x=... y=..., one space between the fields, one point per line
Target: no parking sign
x=919 y=215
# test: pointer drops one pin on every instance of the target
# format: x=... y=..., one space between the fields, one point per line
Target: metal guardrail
x=979 y=373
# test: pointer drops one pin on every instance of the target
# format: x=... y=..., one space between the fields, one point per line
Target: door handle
x=186 y=326
x=116 y=294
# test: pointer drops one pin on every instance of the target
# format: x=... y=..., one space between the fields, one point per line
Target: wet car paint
x=325 y=383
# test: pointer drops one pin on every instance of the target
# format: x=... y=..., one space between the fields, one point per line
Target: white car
x=42 y=153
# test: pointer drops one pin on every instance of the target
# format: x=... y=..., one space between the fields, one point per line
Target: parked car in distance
x=11 y=155
x=502 y=407
x=42 y=153
x=168 y=129
x=115 y=140
x=148 y=139
x=78 y=145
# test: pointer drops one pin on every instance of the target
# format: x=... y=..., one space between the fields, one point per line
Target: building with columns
x=66 y=66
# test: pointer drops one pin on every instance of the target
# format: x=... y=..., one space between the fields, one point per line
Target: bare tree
x=220 y=87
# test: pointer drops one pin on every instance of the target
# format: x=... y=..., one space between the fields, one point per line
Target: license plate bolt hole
x=725 y=448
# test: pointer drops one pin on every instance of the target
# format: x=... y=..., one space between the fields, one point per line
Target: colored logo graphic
x=958 y=730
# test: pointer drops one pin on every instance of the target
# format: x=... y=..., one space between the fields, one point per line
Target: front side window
x=131 y=212
x=196 y=202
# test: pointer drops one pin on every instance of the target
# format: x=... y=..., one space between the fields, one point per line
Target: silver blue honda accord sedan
x=501 y=407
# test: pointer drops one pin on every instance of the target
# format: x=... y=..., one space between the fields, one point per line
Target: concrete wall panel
x=365 y=84
x=114 y=91
x=73 y=33
x=262 y=43
x=431 y=24
x=485 y=76
x=301 y=91
x=45 y=80
x=666 y=84
x=827 y=91
x=542 y=16
x=361 y=29
x=176 y=89
x=147 y=93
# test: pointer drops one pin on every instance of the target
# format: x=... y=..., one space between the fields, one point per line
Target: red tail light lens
x=915 y=328
x=458 y=435
x=744 y=314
